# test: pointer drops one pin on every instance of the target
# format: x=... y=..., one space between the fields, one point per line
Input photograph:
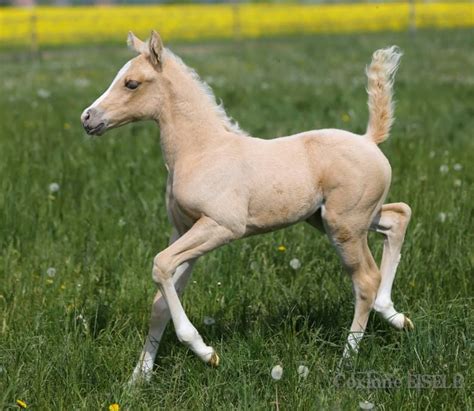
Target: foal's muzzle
x=93 y=122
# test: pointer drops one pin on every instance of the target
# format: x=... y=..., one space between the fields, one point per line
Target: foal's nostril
x=88 y=115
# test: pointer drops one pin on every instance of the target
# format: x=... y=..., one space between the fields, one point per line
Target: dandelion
x=82 y=319
x=457 y=167
x=219 y=283
x=432 y=154
x=43 y=93
x=345 y=117
x=281 y=248
x=444 y=168
x=277 y=372
x=51 y=272
x=457 y=183
x=303 y=371
x=295 y=263
x=366 y=405
x=67 y=126
x=21 y=404
x=53 y=187
x=114 y=407
x=442 y=217
x=121 y=222
x=209 y=320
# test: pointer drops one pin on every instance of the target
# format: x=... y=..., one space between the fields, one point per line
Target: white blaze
x=117 y=78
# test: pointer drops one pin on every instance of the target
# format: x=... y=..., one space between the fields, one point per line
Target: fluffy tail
x=380 y=74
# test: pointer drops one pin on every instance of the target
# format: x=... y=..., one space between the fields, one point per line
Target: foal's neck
x=190 y=120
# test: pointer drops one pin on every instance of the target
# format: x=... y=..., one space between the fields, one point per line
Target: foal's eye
x=132 y=84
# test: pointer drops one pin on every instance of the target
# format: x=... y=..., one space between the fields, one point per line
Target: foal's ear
x=136 y=44
x=155 y=46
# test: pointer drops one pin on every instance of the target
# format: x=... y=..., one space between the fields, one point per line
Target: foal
x=224 y=185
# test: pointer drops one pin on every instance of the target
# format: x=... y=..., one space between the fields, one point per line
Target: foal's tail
x=380 y=74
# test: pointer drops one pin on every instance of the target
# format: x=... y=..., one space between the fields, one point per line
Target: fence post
x=33 y=32
x=412 y=16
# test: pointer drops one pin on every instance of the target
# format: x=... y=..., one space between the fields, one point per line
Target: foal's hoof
x=407 y=324
x=214 y=360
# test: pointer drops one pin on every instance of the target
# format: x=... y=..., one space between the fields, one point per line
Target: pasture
x=75 y=257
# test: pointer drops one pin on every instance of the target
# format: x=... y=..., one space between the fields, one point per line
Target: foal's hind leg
x=349 y=236
x=392 y=222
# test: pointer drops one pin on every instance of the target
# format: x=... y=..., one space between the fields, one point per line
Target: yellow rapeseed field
x=66 y=25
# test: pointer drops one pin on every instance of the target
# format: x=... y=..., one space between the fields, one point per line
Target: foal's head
x=135 y=91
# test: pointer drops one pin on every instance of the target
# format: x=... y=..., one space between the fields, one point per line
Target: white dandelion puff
x=53 y=187
x=209 y=320
x=82 y=82
x=43 y=93
x=442 y=217
x=51 y=272
x=277 y=372
x=303 y=371
x=121 y=222
x=457 y=167
x=444 y=168
x=432 y=154
x=457 y=183
x=295 y=263
x=83 y=320
x=366 y=405
x=219 y=283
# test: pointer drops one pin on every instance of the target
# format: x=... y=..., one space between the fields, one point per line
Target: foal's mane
x=229 y=123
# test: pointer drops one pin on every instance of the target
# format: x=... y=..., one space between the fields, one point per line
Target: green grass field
x=70 y=337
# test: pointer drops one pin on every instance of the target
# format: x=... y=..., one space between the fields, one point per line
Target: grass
x=70 y=341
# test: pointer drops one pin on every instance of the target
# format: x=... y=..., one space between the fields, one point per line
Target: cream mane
x=229 y=123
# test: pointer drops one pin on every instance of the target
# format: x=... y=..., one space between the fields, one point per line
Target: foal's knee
x=161 y=268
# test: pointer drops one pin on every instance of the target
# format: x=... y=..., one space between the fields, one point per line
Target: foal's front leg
x=159 y=319
x=205 y=235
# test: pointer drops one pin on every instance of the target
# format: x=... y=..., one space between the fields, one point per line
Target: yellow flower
x=114 y=407
x=67 y=126
x=21 y=404
x=282 y=248
x=345 y=117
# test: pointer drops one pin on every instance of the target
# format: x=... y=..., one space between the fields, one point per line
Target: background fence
x=46 y=25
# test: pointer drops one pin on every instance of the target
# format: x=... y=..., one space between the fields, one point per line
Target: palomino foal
x=224 y=185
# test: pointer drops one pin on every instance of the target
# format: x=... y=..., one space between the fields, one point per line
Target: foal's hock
x=224 y=185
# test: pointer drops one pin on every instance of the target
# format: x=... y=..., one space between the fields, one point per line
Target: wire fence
x=48 y=25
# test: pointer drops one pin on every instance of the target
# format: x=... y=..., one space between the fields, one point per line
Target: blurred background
x=81 y=219
x=44 y=22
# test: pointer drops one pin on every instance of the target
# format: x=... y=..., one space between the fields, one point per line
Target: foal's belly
x=280 y=206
